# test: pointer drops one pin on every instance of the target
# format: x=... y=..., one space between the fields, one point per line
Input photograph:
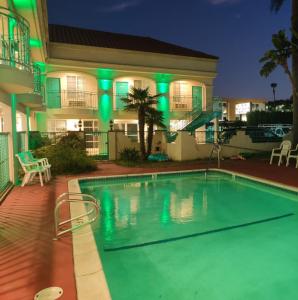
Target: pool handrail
x=74 y=198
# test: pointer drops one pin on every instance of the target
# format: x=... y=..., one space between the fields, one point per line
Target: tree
x=153 y=117
x=279 y=56
x=275 y=6
x=140 y=100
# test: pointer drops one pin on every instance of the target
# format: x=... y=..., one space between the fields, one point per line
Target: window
x=75 y=90
x=137 y=84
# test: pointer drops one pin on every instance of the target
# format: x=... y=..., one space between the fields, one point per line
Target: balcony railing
x=37 y=80
x=14 y=40
x=72 y=99
x=182 y=103
x=79 y=99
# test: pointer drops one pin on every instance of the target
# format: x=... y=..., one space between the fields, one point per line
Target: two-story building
x=56 y=78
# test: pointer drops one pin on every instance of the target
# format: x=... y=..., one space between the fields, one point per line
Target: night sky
x=238 y=31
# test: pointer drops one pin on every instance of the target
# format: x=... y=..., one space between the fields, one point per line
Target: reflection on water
x=153 y=203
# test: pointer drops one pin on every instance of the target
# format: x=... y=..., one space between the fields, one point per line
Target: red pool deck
x=30 y=260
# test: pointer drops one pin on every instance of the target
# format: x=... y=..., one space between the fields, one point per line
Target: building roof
x=95 y=38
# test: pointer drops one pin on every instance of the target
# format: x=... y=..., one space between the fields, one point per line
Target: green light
x=105 y=84
x=25 y=4
x=105 y=111
x=35 y=43
x=164 y=106
x=165 y=78
x=106 y=73
x=162 y=87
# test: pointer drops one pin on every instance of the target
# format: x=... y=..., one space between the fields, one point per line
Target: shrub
x=36 y=140
x=130 y=154
x=68 y=156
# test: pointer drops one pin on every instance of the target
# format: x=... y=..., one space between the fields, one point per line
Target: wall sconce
x=111 y=125
x=80 y=125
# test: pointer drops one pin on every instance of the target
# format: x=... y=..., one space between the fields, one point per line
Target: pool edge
x=90 y=279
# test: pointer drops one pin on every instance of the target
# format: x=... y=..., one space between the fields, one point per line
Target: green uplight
x=105 y=84
x=106 y=73
x=162 y=77
x=35 y=43
x=25 y=4
x=162 y=87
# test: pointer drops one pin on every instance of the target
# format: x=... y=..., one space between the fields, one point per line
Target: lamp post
x=273 y=85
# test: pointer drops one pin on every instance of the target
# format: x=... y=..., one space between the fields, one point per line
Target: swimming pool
x=188 y=236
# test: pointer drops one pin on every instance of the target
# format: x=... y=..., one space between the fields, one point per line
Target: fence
x=4 y=162
x=96 y=142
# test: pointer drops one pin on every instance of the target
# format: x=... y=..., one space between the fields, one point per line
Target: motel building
x=234 y=109
x=55 y=79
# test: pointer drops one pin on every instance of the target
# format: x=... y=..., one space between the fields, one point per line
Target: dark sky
x=238 y=31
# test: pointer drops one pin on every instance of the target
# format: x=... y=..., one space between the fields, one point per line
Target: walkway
x=30 y=260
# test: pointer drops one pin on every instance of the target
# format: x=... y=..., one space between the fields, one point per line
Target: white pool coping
x=90 y=279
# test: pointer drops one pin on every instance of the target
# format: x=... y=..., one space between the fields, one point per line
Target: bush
x=68 y=156
x=36 y=140
x=269 y=117
x=130 y=154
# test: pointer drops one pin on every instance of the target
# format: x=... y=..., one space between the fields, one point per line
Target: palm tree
x=279 y=56
x=153 y=117
x=140 y=100
x=275 y=6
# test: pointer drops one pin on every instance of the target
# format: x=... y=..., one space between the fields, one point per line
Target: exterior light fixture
x=80 y=125
x=111 y=125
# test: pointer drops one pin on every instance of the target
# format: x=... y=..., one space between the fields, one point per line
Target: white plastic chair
x=281 y=152
x=31 y=169
x=41 y=161
x=293 y=154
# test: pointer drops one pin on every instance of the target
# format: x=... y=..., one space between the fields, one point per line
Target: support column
x=105 y=103
x=28 y=126
x=14 y=136
x=164 y=101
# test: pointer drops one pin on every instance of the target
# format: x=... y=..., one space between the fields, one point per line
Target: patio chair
x=281 y=152
x=293 y=154
x=30 y=169
x=42 y=162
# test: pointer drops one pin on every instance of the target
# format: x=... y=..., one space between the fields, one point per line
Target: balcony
x=34 y=99
x=72 y=99
x=182 y=103
x=16 y=71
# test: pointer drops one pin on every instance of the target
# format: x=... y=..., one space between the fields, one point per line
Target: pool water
x=187 y=237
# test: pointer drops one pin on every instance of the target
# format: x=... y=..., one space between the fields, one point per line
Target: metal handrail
x=60 y=201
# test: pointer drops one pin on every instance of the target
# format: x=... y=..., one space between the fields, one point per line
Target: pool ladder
x=215 y=148
x=79 y=221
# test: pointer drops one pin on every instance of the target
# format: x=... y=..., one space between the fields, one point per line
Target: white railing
x=83 y=219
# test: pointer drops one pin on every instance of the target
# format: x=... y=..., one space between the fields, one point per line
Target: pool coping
x=90 y=278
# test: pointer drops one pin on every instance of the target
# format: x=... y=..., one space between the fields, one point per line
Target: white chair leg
x=50 y=175
x=271 y=159
x=296 y=162
x=25 y=179
x=40 y=178
x=288 y=162
x=280 y=160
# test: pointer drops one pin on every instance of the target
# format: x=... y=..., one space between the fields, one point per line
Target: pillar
x=14 y=137
x=105 y=103
x=163 y=105
x=28 y=126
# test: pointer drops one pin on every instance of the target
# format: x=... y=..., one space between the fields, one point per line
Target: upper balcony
x=16 y=70
x=72 y=99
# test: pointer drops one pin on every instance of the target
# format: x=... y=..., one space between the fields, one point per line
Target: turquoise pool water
x=184 y=237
